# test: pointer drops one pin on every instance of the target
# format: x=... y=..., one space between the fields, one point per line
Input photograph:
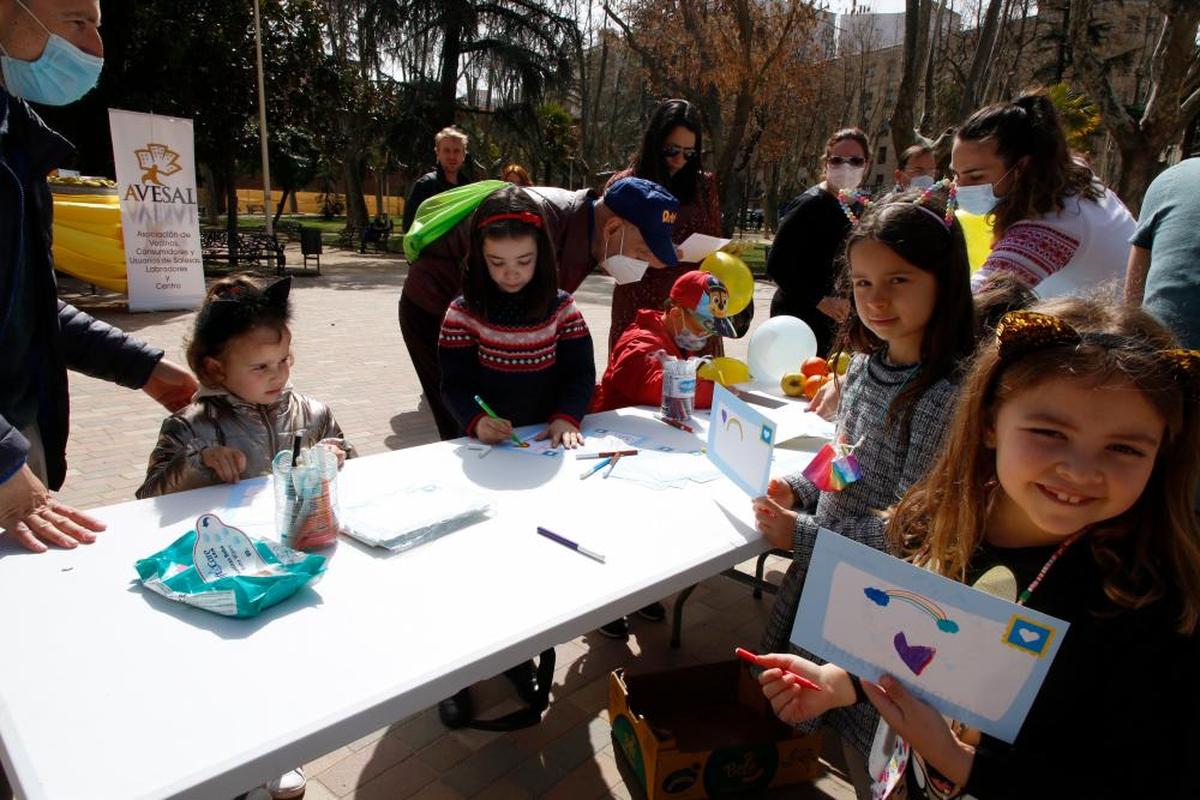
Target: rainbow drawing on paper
x=881 y=597
x=730 y=421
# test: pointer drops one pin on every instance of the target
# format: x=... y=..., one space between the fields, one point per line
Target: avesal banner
x=156 y=180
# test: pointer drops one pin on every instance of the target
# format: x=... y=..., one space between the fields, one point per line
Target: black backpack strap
x=532 y=715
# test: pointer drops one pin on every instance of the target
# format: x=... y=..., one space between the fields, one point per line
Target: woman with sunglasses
x=670 y=156
x=810 y=238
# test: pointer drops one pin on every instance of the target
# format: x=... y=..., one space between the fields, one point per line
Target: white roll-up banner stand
x=156 y=179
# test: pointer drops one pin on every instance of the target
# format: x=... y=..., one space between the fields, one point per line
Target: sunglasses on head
x=670 y=151
x=854 y=161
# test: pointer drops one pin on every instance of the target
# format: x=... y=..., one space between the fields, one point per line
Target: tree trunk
x=286 y=190
x=356 y=207
x=979 y=63
x=452 y=31
x=916 y=30
x=1141 y=142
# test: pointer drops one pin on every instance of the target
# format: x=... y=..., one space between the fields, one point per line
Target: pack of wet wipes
x=222 y=570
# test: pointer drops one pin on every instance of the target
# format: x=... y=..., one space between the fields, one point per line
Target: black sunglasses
x=670 y=151
x=854 y=161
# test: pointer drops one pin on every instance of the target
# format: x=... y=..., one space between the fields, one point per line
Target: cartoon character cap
x=706 y=298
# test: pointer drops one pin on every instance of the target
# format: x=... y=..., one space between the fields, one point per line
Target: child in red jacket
x=695 y=311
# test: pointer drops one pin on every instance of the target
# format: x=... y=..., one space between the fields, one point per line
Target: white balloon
x=779 y=346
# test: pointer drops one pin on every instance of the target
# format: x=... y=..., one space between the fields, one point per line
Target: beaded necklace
x=1033 y=585
x=853 y=196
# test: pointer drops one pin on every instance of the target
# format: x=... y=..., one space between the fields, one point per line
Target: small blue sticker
x=1027 y=635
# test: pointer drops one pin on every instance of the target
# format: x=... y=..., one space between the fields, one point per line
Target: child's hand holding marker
x=799 y=689
x=492 y=429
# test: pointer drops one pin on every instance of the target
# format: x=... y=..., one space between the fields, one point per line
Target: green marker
x=487 y=410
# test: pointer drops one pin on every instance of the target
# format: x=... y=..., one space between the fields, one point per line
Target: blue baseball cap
x=651 y=208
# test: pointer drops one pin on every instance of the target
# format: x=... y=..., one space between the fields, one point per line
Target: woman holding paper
x=670 y=155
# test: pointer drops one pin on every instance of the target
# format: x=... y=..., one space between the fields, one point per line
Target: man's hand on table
x=31 y=515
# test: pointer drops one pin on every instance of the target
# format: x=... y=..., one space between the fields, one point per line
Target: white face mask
x=844 y=176
x=619 y=263
x=920 y=182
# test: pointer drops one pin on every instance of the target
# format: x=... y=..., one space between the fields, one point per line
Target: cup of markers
x=306 y=507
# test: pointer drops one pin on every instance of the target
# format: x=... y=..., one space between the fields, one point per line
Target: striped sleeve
x=1030 y=252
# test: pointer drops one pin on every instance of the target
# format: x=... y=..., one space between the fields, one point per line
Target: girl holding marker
x=1066 y=485
x=514 y=349
x=912 y=317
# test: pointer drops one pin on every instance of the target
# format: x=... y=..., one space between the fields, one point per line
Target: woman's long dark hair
x=649 y=162
x=1029 y=127
x=540 y=293
x=912 y=226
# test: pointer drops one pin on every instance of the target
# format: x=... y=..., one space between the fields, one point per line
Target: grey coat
x=217 y=418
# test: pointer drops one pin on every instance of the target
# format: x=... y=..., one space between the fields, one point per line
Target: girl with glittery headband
x=1067 y=485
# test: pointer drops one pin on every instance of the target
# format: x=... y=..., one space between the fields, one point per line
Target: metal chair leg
x=758 y=574
x=677 y=615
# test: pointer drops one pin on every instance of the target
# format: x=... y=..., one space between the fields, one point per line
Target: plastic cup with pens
x=678 y=386
x=306 y=505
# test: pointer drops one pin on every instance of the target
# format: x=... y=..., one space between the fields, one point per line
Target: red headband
x=528 y=217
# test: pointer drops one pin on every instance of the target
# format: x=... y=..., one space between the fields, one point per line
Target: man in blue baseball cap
x=626 y=229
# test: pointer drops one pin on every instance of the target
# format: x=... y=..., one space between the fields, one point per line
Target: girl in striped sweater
x=512 y=337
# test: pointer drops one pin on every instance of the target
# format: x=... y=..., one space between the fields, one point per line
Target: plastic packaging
x=306 y=498
x=222 y=570
x=413 y=515
x=679 y=385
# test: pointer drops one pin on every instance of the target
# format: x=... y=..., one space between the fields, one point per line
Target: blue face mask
x=979 y=199
x=61 y=74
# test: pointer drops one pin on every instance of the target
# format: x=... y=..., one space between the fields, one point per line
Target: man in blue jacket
x=50 y=53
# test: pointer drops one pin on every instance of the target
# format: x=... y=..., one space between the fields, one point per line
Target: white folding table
x=110 y=691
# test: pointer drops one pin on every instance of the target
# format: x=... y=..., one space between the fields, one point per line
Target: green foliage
x=1080 y=116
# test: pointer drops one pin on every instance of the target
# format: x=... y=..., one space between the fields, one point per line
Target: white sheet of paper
x=699 y=245
x=740 y=441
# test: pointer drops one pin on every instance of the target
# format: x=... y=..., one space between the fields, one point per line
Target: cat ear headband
x=1022 y=332
x=237 y=304
x=923 y=202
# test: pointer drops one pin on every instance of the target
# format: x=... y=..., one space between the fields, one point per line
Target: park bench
x=350 y=237
x=218 y=246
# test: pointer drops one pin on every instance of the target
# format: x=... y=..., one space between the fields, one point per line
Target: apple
x=811 y=384
x=839 y=363
x=793 y=384
x=814 y=366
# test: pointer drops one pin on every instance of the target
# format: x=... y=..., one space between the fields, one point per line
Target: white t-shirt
x=1066 y=252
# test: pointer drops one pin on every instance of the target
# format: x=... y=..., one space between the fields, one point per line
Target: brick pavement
x=349 y=354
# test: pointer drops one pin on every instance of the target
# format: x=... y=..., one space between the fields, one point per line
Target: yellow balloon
x=733 y=272
x=979 y=237
x=724 y=370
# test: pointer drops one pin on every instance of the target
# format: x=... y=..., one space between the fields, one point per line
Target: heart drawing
x=915 y=656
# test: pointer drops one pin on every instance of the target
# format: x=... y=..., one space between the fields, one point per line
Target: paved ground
x=349 y=354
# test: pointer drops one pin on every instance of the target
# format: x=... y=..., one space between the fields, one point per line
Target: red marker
x=746 y=655
x=677 y=424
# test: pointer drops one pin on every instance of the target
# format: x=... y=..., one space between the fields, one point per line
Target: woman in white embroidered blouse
x=1057 y=229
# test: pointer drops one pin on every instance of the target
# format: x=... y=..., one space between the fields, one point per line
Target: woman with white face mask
x=1056 y=228
x=810 y=238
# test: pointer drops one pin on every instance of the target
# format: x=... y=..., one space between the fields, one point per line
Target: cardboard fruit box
x=705 y=731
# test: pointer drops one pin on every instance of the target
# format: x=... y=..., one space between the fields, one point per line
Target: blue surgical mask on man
x=60 y=75
x=920 y=182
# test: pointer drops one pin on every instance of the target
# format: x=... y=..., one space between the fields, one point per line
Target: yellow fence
x=250 y=201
